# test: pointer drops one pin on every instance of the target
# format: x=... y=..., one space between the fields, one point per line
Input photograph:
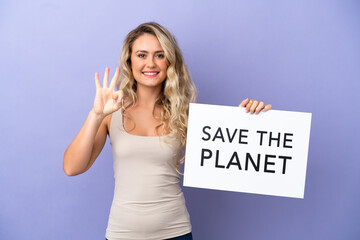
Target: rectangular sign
x=229 y=149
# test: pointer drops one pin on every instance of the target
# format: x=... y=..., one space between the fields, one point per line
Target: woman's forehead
x=148 y=43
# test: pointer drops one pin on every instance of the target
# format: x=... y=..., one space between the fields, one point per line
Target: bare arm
x=88 y=143
x=86 y=146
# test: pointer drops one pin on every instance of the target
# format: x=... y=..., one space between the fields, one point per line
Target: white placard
x=229 y=149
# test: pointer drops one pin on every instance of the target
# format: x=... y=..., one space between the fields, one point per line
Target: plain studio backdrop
x=297 y=55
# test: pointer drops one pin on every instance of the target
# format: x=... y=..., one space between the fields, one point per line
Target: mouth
x=150 y=73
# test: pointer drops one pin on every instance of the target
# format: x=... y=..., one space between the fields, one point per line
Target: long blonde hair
x=178 y=89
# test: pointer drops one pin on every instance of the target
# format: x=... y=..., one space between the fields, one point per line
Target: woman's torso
x=148 y=202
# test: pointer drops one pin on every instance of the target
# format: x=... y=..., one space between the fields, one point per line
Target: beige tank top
x=148 y=202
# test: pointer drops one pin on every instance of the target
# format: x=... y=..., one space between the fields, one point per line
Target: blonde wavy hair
x=178 y=89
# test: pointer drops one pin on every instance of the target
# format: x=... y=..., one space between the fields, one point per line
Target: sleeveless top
x=148 y=202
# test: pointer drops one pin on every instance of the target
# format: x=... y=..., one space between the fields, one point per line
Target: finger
x=115 y=95
x=121 y=95
x=118 y=95
x=259 y=107
x=267 y=107
x=244 y=102
x=248 y=106
x=106 y=78
x=97 y=81
x=253 y=106
x=115 y=78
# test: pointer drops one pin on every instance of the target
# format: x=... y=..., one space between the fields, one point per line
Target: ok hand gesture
x=107 y=100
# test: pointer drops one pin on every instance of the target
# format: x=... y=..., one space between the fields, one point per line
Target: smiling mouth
x=150 y=73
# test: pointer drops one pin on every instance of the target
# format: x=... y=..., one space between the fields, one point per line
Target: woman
x=147 y=136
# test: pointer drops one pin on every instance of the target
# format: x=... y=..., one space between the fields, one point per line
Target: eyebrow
x=144 y=51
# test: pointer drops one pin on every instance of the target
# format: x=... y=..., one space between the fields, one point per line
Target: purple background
x=296 y=55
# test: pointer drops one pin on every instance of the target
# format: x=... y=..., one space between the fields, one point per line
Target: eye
x=160 y=56
x=141 y=55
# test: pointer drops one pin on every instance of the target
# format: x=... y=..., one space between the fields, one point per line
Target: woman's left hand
x=254 y=106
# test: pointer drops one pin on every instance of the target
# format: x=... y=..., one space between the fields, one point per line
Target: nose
x=151 y=62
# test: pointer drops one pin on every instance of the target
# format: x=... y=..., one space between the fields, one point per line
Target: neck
x=146 y=97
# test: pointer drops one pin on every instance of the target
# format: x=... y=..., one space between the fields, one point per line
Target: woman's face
x=148 y=61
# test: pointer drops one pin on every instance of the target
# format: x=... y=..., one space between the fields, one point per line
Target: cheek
x=135 y=69
x=163 y=66
x=134 y=65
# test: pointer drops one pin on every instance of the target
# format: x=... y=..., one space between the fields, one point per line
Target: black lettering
x=208 y=134
x=284 y=162
x=261 y=136
x=228 y=134
x=287 y=140
x=203 y=155
x=217 y=165
x=256 y=166
x=242 y=136
x=268 y=163
x=276 y=139
x=219 y=134
x=237 y=163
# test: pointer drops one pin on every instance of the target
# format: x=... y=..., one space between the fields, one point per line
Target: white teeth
x=150 y=74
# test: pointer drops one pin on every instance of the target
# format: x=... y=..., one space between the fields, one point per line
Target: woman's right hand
x=107 y=100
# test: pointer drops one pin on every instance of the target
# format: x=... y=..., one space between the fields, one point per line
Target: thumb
x=118 y=98
x=118 y=95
